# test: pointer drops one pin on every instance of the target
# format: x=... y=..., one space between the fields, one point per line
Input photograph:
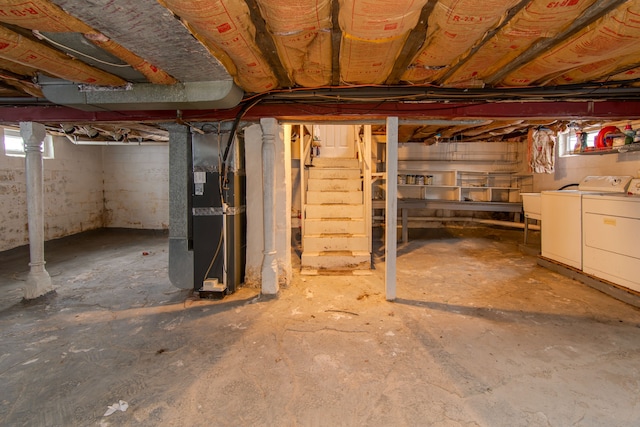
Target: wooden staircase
x=335 y=239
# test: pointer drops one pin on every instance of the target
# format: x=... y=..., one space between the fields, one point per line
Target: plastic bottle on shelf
x=581 y=141
x=629 y=134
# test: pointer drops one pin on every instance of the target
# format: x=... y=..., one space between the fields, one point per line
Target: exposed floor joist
x=596 y=11
x=267 y=46
x=490 y=34
x=336 y=41
x=412 y=46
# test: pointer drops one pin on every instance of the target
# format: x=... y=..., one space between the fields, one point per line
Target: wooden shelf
x=452 y=205
x=609 y=150
x=463 y=190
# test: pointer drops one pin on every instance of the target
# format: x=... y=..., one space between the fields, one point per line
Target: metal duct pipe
x=94 y=142
x=24 y=101
x=220 y=94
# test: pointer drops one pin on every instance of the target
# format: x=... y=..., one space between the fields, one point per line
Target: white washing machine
x=561 y=234
x=561 y=211
x=611 y=238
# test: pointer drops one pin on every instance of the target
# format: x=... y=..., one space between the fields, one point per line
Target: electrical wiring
x=356 y=99
x=377 y=108
x=41 y=36
x=246 y=107
x=222 y=167
x=407 y=93
x=213 y=259
x=320 y=88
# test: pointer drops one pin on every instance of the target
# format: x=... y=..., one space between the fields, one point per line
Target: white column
x=391 y=232
x=270 y=283
x=283 y=205
x=38 y=281
x=255 y=217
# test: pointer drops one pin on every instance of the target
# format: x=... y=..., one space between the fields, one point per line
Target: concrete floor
x=480 y=336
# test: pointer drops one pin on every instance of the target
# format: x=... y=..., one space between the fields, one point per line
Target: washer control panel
x=634 y=187
x=605 y=184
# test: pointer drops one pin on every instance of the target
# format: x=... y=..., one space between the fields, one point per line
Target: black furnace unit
x=218 y=207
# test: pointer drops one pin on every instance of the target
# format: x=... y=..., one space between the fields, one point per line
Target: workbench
x=405 y=204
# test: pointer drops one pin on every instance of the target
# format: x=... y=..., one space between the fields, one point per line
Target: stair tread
x=334 y=179
x=350 y=172
x=325 y=204
x=319 y=205
x=334 y=191
x=337 y=253
x=335 y=219
x=347 y=271
x=336 y=238
x=337 y=167
x=359 y=235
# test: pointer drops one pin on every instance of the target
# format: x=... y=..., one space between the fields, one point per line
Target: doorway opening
x=332 y=169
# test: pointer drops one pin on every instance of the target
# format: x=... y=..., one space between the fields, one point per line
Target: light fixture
x=121 y=134
x=69 y=129
x=92 y=132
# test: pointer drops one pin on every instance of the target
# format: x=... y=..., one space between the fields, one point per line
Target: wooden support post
x=270 y=282
x=405 y=225
x=391 y=232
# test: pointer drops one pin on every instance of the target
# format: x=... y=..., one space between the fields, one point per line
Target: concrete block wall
x=73 y=190
x=136 y=186
x=13 y=202
x=73 y=194
x=87 y=187
x=464 y=156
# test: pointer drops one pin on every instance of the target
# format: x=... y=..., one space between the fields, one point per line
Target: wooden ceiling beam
x=336 y=42
x=455 y=130
x=493 y=127
x=412 y=46
x=488 y=36
x=267 y=46
x=499 y=132
x=596 y=11
x=604 y=76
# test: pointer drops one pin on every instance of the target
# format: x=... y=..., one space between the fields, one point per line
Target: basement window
x=14 y=144
x=570 y=145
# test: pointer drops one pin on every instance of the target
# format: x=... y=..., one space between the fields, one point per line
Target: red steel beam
x=613 y=110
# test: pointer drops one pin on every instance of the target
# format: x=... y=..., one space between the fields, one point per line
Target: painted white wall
x=572 y=169
x=136 y=186
x=73 y=190
x=87 y=187
x=73 y=194
x=13 y=202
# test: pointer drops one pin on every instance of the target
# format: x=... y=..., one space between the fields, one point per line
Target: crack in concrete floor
x=479 y=336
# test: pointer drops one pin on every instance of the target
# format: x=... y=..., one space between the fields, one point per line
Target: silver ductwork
x=221 y=94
